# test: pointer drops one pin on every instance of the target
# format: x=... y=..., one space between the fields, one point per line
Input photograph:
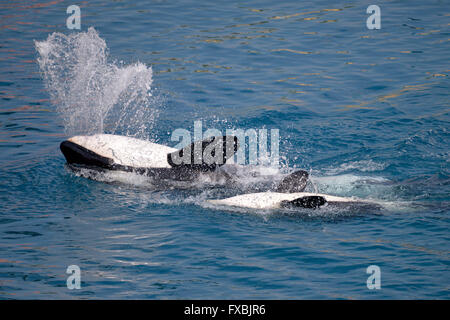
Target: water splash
x=92 y=94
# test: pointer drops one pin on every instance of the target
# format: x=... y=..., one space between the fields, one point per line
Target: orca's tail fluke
x=295 y=182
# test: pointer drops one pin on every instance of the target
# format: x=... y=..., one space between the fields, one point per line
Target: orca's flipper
x=205 y=155
x=295 y=182
x=309 y=202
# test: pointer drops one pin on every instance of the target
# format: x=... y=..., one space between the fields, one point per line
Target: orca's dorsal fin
x=309 y=202
x=295 y=182
x=205 y=155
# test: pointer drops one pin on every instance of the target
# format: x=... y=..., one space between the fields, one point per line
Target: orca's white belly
x=271 y=200
x=126 y=151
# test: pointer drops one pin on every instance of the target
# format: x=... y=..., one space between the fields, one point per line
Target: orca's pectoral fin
x=205 y=155
x=309 y=202
x=295 y=182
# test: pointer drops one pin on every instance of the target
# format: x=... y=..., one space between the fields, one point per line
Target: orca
x=102 y=152
x=306 y=200
x=290 y=194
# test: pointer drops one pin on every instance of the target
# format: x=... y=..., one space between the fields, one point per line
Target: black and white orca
x=277 y=200
x=290 y=194
x=120 y=153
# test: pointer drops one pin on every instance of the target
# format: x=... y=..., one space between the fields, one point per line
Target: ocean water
x=366 y=112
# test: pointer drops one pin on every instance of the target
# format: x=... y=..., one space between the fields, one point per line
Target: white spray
x=92 y=94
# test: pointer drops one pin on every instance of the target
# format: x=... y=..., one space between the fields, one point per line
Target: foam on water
x=91 y=93
x=361 y=165
x=349 y=184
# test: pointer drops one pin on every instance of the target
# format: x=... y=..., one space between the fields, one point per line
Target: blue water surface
x=366 y=111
